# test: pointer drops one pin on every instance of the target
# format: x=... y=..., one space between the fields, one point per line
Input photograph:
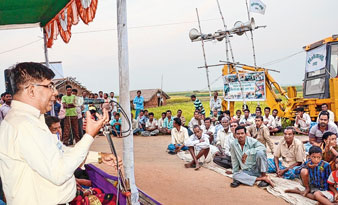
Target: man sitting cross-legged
x=224 y=139
x=197 y=143
x=314 y=174
x=151 y=126
x=179 y=135
x=292 y=152
x=249 y=161
x=167 y=124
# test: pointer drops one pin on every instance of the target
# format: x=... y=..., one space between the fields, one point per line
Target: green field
x=181 y=100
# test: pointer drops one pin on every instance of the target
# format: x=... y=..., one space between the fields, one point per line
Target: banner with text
x=316 y=59
x=248 y=86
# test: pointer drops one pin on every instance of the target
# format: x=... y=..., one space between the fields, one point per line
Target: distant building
x=61 y=84
x=151 y=97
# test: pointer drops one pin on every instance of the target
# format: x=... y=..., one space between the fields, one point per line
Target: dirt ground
x=164 y=177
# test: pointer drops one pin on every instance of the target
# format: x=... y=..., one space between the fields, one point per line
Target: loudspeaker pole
x=205 y=59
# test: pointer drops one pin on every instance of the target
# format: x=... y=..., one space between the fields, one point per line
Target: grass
x=181 y=100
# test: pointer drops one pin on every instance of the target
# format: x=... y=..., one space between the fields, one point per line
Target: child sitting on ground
x=116 y=125
x=327 y=197
x=314 y=174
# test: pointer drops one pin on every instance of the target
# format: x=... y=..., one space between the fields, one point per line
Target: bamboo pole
x=128 y=143
x=45 y=47
x=205 y=59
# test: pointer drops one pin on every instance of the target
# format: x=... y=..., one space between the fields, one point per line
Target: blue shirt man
x=138 y=103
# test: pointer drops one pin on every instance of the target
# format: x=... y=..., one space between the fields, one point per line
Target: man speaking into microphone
x=35 y=167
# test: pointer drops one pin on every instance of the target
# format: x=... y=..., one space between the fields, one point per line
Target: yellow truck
x=320 y=82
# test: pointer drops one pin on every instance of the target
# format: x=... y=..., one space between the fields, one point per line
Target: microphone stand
x=125 y=187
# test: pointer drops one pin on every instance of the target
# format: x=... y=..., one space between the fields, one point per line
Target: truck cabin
x=321 y=65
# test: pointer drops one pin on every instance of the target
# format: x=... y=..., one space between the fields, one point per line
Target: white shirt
x=276 y=122
x=160 y=122
x=225 y=139
x=194 y=122
x=151 y=125
x=113 y=104
x=193 y=141
x=304 y=122
x=35 y=167
x=215 y=104
x=205 y=130
x=331 y=116
x=4 y=109
x=250 y=119
x=179 y=137
x=267 y=119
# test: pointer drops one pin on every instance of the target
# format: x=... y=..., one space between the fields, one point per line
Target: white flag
x=257 y=6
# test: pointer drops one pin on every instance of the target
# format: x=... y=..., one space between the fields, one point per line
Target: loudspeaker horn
x=240 y=27
x=194 y=34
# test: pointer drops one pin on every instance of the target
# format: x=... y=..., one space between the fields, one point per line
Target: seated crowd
x=244 y=142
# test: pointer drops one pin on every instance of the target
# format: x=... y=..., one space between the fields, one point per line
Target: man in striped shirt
x=198 y=104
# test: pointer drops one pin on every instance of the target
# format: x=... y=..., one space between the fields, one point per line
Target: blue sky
x=155 y=50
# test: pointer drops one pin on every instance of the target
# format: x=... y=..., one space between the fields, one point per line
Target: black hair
x=314 y=150
x=163 y=113
x=117 y=114
x=245 y=106
x=5 y=93
x=68 y=86
x=193 y=96
x=259 y=117
x=267 y=108
x=300 y=109
x=227 y=112
x=325 y=104
x=145 y=110
x=74 y=90
x=142 y=111
x=325 y=136
x=275 y=110
x=258 y=108
x=324 y=113
x=179 y=110
x=139 y=91
x=49 y=120
x=101 y=91
x=246 y=110
x=220 y=118
x=178 y=121
x=240 y=128
x=151 y=113
x=238 y=111
x=168 y=111
x=208 y=118
x=22 y=73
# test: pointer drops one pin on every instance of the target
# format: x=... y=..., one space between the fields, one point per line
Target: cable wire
x=282 y=59
x=13 y=49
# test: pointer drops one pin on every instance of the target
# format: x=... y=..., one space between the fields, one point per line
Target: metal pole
x=45 y=46
x=128 y=143
x=205 y=60
x=252 y=41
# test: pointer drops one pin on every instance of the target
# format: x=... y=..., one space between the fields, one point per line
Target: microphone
x=88 y=101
